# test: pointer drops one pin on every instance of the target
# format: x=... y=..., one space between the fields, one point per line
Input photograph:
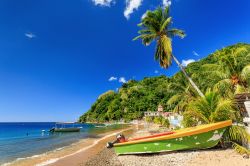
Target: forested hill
x=135 y=97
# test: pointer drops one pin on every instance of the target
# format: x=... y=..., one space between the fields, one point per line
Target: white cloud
x=156 y=71
x=131 y=6
x=103 y=2
x=112 y=78
x=30 y=35
x=166 y=3
x=122 y=80
x=186 y=62
x=195 y=53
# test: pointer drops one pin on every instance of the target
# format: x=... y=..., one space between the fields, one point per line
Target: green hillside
x=136 y=97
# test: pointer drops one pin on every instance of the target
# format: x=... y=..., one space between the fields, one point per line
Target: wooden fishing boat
x=199 y=137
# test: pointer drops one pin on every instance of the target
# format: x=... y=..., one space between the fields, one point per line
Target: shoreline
x=92 y=152
x=69 y=151
x=87 y=153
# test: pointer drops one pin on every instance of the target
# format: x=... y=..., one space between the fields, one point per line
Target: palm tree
x=214 y=108
x=156 y=27
x=181 y=94
x=232 y=73
x=209 y=109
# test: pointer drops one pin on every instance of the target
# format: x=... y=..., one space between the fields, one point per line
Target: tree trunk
x=189 y=79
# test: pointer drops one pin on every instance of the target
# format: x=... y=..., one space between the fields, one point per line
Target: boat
x=199 y=137
x=65 y=127
x=102 y=125
x=99 y=126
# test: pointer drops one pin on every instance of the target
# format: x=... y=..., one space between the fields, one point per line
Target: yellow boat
x=199 y=137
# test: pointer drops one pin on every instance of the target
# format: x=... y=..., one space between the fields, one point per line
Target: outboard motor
x=119 y=139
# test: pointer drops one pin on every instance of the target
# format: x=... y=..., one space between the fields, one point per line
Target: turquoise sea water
x=22 y=140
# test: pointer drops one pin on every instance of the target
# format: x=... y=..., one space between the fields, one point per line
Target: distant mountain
x=136 y=97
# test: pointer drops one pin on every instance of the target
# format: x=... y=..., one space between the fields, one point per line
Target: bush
x=158 y=120
x=149 y=119
x=165 y=122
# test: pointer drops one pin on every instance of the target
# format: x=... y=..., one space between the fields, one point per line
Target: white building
x=174 y=118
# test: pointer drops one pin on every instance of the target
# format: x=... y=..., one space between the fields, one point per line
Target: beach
x=84 y=155
x=75 y=153
x=92 y=152
x=214 y=156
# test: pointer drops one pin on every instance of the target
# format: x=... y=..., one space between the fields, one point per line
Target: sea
x=22 y=140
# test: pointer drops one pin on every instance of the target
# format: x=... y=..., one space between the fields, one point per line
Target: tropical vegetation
x=173 y=93
x=220 y=77
x=217 y=81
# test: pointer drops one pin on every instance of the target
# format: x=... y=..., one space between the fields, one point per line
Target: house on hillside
x=174 y=118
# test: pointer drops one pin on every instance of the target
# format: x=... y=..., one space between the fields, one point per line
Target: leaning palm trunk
x=189 y=79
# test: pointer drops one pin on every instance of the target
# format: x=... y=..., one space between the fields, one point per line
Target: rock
x=245 y=156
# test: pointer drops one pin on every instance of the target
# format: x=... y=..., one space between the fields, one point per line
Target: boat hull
x=66 y=130
x=203 y=137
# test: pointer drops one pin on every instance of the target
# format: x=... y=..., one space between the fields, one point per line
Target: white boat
x=65 y=127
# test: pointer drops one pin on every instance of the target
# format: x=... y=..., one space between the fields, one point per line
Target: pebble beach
x=210 y=157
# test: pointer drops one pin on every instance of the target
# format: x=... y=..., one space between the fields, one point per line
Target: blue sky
x=58 y=56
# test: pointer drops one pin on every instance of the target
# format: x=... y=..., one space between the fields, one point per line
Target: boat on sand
x=199 y=137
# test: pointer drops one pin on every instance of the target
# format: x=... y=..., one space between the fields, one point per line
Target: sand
x=74 y=154
x=219 y=157
x=211 y=157
x=82 y=157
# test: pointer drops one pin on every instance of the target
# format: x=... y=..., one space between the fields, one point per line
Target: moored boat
x=65 y=127
x=199 y=137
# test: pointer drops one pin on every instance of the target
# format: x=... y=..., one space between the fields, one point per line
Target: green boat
x=199 y=137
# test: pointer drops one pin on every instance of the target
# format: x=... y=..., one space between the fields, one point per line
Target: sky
x=58 y=56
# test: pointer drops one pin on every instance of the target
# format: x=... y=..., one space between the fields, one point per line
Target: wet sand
x=86 y=154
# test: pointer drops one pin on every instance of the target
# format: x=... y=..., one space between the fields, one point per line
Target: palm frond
x=238 y=134
x=165 y=23
x=174 y=99
x=238 y=137
x=224 y=87
x=245 y=74
x=240 y=149
x=198 y=115
x=224 y=111
x=176 y=32
x=241 y=89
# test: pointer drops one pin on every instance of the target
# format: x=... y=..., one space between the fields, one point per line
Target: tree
x=232 y=72
x=158 y=120
x=214 y=108
x=181 y=94
x=209 y=109
x=165 y=122
x=156 y=27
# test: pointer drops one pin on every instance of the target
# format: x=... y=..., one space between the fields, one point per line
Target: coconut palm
x=231 y=74
x=209 y=109
x=155 y=26
x=213 y=108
